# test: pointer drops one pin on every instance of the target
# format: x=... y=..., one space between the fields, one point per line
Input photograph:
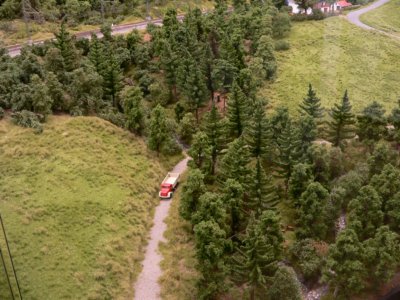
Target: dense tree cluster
x=254 y=174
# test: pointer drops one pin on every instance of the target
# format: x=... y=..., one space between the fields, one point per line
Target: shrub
x=282 y=45
x=114 y=117
x=1 y=113
x=27 y=119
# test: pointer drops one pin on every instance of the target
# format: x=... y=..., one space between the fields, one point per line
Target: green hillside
x=334 y=55
x=77 y=203
x=385 y=18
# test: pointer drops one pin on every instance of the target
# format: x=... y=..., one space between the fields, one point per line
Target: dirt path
x=354 y=17
x=147 y=286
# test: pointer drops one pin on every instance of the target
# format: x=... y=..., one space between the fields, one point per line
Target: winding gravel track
x=147 y=286
x=354 y=17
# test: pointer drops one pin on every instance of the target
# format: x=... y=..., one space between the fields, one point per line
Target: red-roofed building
x=326 y=7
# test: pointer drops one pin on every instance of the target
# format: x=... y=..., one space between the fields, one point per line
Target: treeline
x=250 y=169
x=124 y=79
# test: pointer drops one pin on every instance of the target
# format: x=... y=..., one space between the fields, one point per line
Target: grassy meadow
x=77 y=202
x=334 y=55
x=386 y=17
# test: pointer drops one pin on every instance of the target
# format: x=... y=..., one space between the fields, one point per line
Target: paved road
x=147 y=286
x=354 y=16
x=117 y=29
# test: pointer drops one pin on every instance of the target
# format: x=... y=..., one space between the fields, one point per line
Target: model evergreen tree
x=234 y=165
x=112 y=81
x=192 y=82
x=232 y=195
x=382 y=254
x=158 y=131
x=307 y=132
x=193 y=189
x=169 y=62
x=265 y=51
x=96 y=54
x=214 y=129
x=133 y=109
x=259 y=255
x=285 y=285
x=237 y=111
x=345 y=270
x=313 y=221
x=311 y=105
x=366 y=214
x=210 y=208
x=211 y=245
x=342 y=124
x=288 y=145
x=200 y=152
x=372 y=122
x=393 y=212
x=300 y=179
x=63 y=42
x=258 y=134
x=262 y=193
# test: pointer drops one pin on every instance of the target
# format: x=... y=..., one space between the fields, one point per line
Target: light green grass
x=386 y=17
x=334 y=55
x=77 y=202
x=179 y=278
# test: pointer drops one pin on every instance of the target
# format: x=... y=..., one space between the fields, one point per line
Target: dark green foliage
x=344 y=270
x=351 y=183
x=133 y=109
x=393 y=212
x=210 y=208
x=382 y=254
x=311 y=105
x=262 y=249
x=187 y=127
x=200 y=152
x=2 y=113
x=86 y=91
x=265 y=51
x=234 y=165
x=112 y=81
x=237 y=111
x=285 y=285
x=211 y=244
x=191 y=81
x=214 y=128
x=306 y=258
x=320 y=162
x=342 y=124
x=64 y=43
x=288 y=145
x=158 y=131
x=371 y=123
x=387 y=184
x=313 y=221
x=97 y=55
x=281 y=23
x=394 y=119
x=232 y=195
x=307 y=131
x=191 y=193
x=261 y=190
x=258 y=133
x=381 y=156
x=365 y=212
x=299 y=180
x=41 y=101
x=28 y=119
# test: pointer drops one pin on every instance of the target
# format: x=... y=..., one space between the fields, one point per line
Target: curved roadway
x=354 y=17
